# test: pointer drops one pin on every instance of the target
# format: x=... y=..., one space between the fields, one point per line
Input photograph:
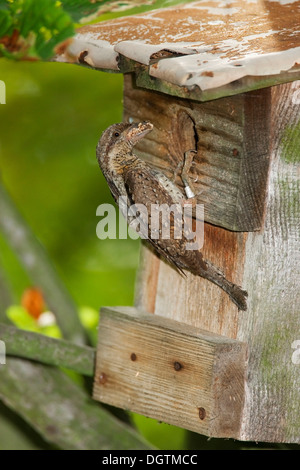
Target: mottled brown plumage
x=129 y=176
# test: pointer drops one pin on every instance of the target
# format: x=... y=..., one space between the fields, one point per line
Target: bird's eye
x=117 y=134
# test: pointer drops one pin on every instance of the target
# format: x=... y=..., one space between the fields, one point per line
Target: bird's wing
x=144 y=187
x=114 y=190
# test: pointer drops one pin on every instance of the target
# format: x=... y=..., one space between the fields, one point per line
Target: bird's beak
x=138 y=130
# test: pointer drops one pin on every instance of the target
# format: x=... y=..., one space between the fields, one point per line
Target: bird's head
x=120 y=138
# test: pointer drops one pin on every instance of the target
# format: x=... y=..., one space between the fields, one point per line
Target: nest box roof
x=203 y=49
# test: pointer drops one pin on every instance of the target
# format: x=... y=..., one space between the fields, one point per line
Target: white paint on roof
x=208 y=71
x=141 y=52
x=98 y=52
x=208 y=43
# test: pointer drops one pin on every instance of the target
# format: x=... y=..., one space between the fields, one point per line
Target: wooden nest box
x=221 y=80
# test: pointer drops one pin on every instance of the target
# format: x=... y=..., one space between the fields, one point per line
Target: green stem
x=40 y=348
x=39 y=268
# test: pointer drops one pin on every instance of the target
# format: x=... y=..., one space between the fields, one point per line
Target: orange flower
x=33 y=301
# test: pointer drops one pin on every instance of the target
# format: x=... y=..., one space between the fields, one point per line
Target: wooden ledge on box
x=170 y=371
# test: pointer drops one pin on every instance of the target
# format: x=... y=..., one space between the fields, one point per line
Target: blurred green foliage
x=50 y=126
x=27 y=30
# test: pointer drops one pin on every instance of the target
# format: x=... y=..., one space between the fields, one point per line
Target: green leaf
x=21 y=318
x=89 y=317
x=6 y=21
x=52 y=331
x=28 y=31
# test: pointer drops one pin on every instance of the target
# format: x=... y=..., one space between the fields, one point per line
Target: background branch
x=61 y=411
x=34 y=259
x=46 y=350
x=6 y=298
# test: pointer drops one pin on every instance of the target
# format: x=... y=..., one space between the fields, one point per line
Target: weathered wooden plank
x=231 y=136
x=254 y=172
x=170 y=371
x=147 y=280
x=272 y=278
